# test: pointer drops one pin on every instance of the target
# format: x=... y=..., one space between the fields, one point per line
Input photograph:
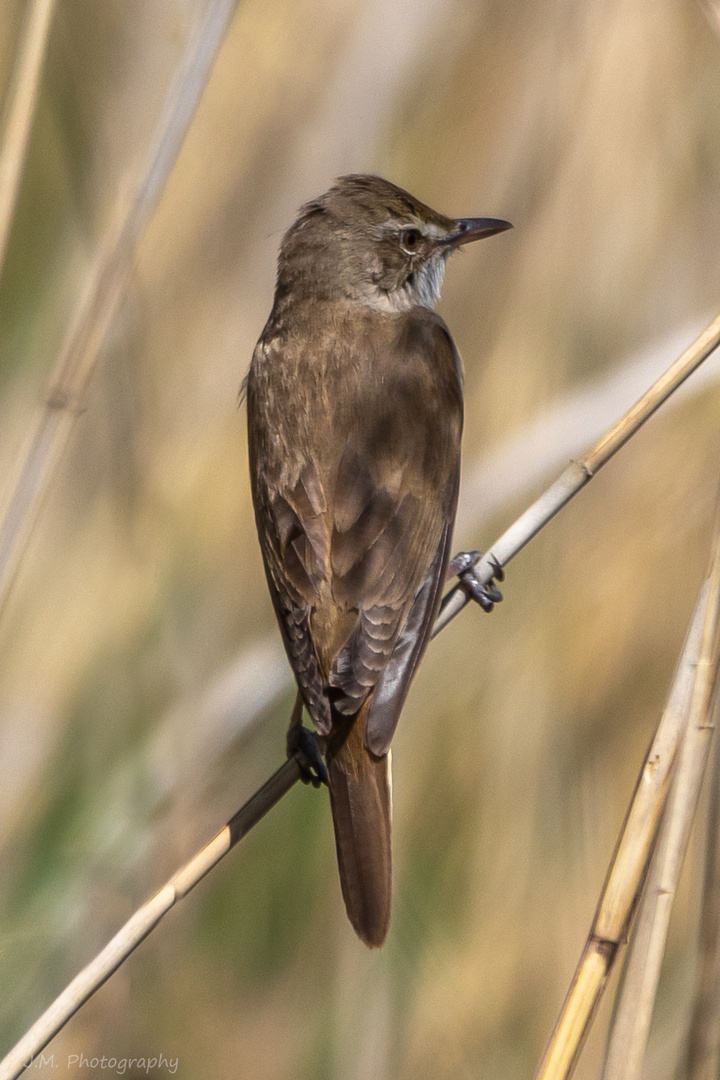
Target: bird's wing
x=386 y=566
x=393 y=508
x=295 y=545
x=357 y=536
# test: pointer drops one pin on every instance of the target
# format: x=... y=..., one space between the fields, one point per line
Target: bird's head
x=369 y=241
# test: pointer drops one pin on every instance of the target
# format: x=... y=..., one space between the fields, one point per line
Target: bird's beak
x=469 y=229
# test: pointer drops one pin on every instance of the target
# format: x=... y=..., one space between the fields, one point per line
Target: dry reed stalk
x=144 y=920
x=631 y=1024
x=20 y=110
x=686 y=710
x=49 y=433
x=703 y=1050
x=579 y=473
x=711 y=10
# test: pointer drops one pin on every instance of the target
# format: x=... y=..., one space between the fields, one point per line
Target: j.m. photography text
x=118 y=1065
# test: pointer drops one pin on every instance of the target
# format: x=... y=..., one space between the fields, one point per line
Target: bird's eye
x=410 y=240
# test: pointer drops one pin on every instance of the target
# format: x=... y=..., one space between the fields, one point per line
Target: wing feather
x=355 y=495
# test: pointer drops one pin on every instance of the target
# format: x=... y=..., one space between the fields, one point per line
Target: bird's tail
x=361 y=801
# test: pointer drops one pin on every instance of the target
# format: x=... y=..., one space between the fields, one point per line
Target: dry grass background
x=143 y=694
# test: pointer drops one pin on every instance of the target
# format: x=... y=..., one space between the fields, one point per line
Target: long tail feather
x=361 y=801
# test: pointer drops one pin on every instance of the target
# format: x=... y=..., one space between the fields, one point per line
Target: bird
x=354 y=417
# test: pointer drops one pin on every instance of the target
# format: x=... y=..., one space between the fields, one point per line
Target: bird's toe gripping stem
x=462 y=566
x=302 y=744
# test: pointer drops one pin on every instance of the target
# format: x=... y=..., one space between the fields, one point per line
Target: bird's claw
x=497 y=569
x=462 y=566
x=462 y=562
x=302 y=744
x=487 y=596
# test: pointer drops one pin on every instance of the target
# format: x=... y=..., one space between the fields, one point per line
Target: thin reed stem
x=75 y=362
x=631 y=1024
x=145 y=919
x=703 y=1048
x=686 y=711
x=20 y=110
x=579 y=473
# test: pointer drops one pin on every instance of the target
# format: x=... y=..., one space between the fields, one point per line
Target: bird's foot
x=302 y=744
x=462 y=566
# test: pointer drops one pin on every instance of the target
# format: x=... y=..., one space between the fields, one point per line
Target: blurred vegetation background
x=143 y=690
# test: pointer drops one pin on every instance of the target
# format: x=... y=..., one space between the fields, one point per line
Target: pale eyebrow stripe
x=396 y=226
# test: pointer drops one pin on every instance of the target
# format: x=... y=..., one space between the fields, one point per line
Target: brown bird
x=355 y=412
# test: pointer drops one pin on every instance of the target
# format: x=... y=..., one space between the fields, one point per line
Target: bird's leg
x=302 y=744
x=461 y=566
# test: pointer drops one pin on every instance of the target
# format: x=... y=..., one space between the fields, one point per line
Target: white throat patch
x=422 y=289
